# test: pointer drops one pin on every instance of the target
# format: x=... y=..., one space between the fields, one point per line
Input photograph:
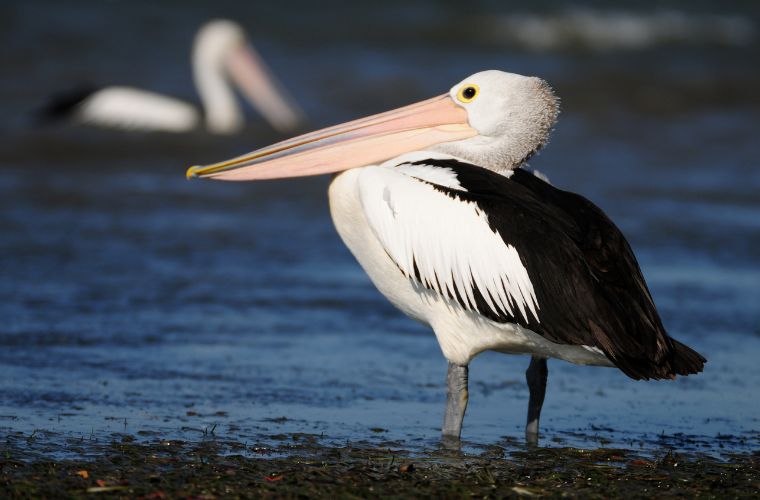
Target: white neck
x=500 y=155
x=223 y=114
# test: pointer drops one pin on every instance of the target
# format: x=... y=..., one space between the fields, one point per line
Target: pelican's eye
x=468 y=92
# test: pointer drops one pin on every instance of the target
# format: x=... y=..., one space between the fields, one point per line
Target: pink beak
x=356 y=143
x=261 y=88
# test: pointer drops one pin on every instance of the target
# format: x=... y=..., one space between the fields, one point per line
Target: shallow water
x=135 y=302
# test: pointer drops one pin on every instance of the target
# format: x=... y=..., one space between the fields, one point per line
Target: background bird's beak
x=261 y=88
x=354 y=144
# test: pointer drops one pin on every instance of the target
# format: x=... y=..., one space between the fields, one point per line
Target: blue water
x=135 y=302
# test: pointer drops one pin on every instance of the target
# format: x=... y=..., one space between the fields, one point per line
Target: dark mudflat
x=302 y=467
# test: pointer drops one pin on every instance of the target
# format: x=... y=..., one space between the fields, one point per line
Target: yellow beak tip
x=192 y=172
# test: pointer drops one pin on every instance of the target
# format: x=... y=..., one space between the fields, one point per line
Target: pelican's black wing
x=587 y=282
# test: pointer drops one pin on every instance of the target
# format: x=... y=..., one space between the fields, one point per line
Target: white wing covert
x=443 y=242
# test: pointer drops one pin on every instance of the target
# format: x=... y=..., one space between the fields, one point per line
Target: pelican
x=431 y=200
x=221 y=56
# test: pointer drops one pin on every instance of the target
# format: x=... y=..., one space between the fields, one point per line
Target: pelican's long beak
x=257 y=83
x=354 y=144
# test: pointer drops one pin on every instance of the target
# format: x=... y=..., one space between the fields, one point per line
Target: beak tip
x=192 y=172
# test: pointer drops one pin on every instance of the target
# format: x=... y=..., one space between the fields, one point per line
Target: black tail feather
x=63 y=104
x=686 y=361
x=677 y=359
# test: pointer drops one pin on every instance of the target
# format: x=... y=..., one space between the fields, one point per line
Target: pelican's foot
x=452 y=443
x=531 y=438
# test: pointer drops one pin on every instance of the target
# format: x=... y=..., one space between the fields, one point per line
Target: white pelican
x=432 y=203
x=221 y=56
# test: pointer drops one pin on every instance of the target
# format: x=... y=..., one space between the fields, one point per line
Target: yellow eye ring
x=468 y=92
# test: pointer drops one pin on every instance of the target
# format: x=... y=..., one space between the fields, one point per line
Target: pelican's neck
x=501 y=155
x=220 y=105
x=477 y=152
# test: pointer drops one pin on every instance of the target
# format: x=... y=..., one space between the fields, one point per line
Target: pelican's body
x=461 y=333
x=221 y=57
x=130 y=108
x=432 y=202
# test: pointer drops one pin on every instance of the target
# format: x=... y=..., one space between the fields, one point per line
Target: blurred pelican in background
x=222 y=56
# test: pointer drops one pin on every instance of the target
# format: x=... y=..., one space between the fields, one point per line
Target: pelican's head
x=221 y=51
x=216 y=39
x=492 y=119
x=512 y=114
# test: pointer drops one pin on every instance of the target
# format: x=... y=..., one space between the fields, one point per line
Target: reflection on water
x=136 y=302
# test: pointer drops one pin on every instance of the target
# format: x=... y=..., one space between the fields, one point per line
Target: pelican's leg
x=536 y=375
x=456 y=402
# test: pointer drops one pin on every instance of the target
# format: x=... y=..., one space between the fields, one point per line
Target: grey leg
x=456 y=403
x=536 y=376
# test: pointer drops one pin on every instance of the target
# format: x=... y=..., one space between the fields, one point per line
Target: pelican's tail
x=64 y=103
x=686 y=361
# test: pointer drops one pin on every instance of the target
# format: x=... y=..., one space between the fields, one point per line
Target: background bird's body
x=131 y=108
